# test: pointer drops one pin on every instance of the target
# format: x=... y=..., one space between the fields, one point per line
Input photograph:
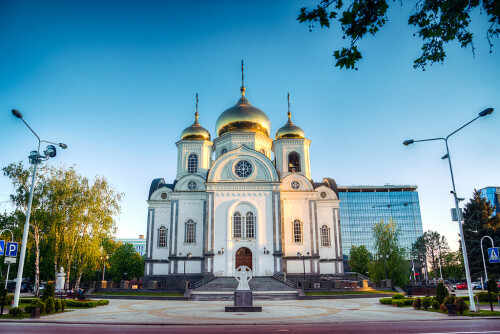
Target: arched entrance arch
x=244 y=257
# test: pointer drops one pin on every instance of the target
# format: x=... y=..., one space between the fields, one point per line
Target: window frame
x=297 y=233
x=160 y=236
x=237 y=214
x=251 y=226
x=294 y=168
x=326 y=240
x=190 y=228
x=192 y=167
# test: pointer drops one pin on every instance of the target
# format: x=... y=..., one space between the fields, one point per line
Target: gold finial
x=242 y=88
x=289 y=113
x=196 y=113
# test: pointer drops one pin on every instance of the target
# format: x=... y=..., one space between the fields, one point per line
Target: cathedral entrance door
x=244 y=257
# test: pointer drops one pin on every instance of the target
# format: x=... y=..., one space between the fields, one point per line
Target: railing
x=279 y=278
x=204 y=281
x=218 y=273
x=363 y=277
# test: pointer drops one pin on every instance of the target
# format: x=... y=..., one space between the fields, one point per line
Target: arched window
x=190 y=231
x=250 y=225
x=297 y=231
x=192 y=163
x=325 y=236
x=237 y=225
x=223 y=151
x=162 y=237
x=263 y=151
x=293 y=162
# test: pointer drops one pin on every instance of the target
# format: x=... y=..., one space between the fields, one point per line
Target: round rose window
x=192 y=185
x=243 y=168
x=295 y=185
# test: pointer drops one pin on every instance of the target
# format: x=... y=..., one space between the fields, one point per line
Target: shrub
x=49 y=305
x=63 y=305
x=106 y=302
x=48 y=292
x=483 y=297
x=381 y=300
x=441 y=292
x=417 y=303
x=398 y=296
x=15 y=311
x=492 y=284
x=426 y=302
x=449 y=300
x=26 y=300
x=28 y=309
x=38 y=303
x=435 y=305
x=461 y=305
x=443 y=308
x=57 y=305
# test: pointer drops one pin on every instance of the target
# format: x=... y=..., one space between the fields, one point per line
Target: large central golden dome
x=243 y=117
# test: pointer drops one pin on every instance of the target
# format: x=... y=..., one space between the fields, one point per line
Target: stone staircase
x=263 y=288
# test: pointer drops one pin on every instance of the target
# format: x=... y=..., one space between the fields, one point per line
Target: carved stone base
x=243 y=302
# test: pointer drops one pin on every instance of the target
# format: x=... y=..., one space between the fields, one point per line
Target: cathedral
x=244 y=198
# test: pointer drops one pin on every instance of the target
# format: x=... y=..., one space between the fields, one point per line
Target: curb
x=137 y=297
x=378 y=295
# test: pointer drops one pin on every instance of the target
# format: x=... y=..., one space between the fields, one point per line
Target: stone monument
x=60 y=280
x=243 y=300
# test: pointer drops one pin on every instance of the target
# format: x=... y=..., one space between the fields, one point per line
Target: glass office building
x=363 y=206
x=492 y=194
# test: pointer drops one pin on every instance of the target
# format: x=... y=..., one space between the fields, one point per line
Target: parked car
x=462 y=286
x=25 y=287
x=476 y=285
x=449 y=285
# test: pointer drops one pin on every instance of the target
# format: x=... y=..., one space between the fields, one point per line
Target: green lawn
x=340 y=293
x=138 y=293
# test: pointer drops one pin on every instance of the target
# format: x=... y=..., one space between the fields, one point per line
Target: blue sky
x=117 y=81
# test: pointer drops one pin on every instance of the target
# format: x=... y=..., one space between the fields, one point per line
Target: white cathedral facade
x=242 y=199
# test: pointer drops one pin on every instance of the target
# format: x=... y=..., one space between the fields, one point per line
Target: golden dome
x=195 y=131
x=290 y=130
x=243 y=117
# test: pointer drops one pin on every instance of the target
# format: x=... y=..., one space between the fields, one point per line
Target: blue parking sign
x=2 y=246
x=11 y=249
x=494 y=254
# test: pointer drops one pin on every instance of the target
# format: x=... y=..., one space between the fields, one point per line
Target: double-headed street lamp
x=35 y=158
x=483 y=113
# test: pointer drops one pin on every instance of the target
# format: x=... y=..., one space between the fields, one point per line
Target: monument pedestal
x=243 y=302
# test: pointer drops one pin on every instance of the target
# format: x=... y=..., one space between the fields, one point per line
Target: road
x=469 y=326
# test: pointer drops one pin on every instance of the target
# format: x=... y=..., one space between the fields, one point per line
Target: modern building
x=138 y=243
x=363 y=206
x=492 y=194
x=233 y=202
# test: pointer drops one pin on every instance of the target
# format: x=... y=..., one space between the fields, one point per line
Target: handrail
x=279 y=278
x=205 y=280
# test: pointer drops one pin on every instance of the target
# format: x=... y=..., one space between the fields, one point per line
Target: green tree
x=359 y=259
x=479 y=221
x=433 y=247
x=437 y=23
x=126 y=260
x=389 y=257
x=453 y=265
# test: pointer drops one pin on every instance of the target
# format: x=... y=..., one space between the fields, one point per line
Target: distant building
x=492 y=194
x=363 y=206
x=138 y=243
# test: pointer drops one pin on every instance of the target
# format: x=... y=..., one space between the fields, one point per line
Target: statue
x=60 y=280
x=243 y=275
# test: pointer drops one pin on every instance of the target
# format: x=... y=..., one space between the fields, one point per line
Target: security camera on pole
x=35 y=158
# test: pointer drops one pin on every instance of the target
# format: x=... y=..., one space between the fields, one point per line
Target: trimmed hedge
x=435 y=305
x=483 y=296
x=398 y=296
x=86 y=303
x=385 y=301
x=402 y=302
x=426 y=302
x=15 y=311
x=417 y=303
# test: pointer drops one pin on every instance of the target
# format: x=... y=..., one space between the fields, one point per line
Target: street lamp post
x=104 y=258
x=483 y=113
x=35 y=158
x=299 y=255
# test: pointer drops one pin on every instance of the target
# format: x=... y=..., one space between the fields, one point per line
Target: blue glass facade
x=492 y=194
x=363 y=206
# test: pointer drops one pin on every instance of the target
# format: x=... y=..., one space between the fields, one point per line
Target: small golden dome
x=243 y=117
x=195 y=131
x=290 y=130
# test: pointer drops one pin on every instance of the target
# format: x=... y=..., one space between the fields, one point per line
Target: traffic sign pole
x=485 y=271
x=8 y=268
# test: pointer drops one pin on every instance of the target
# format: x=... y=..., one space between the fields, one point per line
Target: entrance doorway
x=244 y=257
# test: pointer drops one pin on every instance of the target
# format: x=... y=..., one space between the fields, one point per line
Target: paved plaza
x=212 y=312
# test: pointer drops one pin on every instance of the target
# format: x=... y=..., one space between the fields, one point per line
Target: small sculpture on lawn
x=60 y=279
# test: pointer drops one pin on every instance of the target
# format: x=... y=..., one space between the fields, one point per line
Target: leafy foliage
x=461 y=305
x=432 y=246
x=437 y=22
x=125 y=263
x=389 y=256
x=417 y=303
x=426 y=302
x=15 y=311
x=48 y=292
x=492 y=285
x=359 y=259
x=435 y=305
